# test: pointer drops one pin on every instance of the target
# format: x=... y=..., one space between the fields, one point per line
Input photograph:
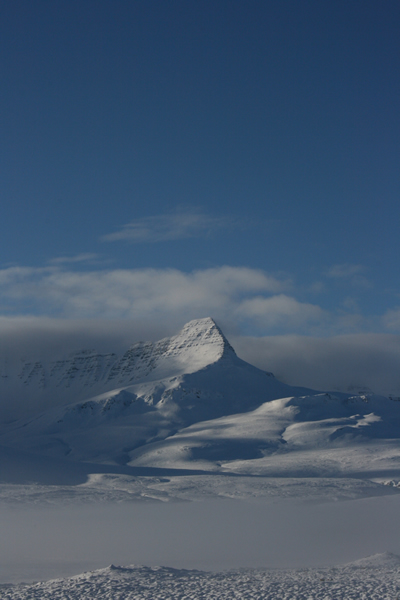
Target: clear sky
x=170 y=159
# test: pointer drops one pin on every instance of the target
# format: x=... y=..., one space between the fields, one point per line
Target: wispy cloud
x=88 y=257
x=345 y=271
x=354 y=274
x=391 y=319
x=169 y=227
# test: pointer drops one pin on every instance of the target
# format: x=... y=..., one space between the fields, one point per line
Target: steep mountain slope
x=162 y=387
x=42 y=383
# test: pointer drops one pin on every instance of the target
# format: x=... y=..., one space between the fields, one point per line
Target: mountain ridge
x=88 y=373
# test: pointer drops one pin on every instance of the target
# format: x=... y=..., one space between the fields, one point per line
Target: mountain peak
x=200 y=343
x=203 y=332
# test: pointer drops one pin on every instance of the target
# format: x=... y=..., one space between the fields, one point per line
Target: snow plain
x=180 y=454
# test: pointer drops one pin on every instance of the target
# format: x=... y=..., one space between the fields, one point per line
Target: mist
x=42 y=542
x=344 y=362
x=46 y=337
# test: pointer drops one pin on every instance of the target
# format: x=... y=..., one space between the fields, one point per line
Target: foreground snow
x=375 y=578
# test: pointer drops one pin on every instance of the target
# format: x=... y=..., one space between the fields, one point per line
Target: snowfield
x=377 y=579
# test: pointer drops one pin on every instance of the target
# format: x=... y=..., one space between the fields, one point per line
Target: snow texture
x=378 y=578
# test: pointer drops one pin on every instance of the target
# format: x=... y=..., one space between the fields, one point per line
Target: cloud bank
x=344 y=362
x=230 y=294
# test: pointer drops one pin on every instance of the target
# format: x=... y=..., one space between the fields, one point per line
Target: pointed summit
x=205 y=336
x=200 y=343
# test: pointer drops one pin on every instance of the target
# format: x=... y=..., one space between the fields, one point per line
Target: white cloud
x=136 y=294
x=240 y=298
x=281 y=311
x=14 y=277
x=162 y=228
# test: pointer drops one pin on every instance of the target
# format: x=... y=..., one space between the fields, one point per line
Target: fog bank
x=46 y=542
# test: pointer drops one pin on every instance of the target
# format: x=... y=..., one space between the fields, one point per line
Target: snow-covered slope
x=162 y=388
x=377 y=561
x=321 y=434
x=190 y=402
x=43 y=383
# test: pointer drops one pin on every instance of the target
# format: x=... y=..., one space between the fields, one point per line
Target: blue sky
x=163 y=160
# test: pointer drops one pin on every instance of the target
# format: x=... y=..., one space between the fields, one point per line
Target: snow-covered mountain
x=87 y=373
x=148 y=394
x=190 y=402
